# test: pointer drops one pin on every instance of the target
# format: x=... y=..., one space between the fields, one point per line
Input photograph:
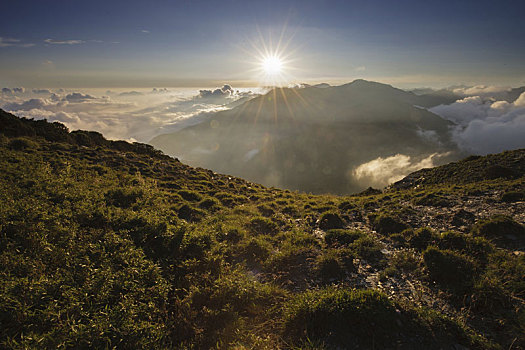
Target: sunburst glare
x=272 y=61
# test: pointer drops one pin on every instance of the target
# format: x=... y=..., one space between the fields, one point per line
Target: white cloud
x=140 y=115
x=381 y=172
x=63 y=42
x=484 y=125
x=34 y=103
x=10 y=42
x=480 y=90
x=78 y=97
x=360 y=69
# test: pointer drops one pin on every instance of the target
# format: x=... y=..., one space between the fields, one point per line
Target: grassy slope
x=106 y=244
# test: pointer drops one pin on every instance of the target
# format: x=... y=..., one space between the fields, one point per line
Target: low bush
x=512 y=196
x=256 y=250
x=367 y=248
x=421 y=238
x=341 y=237
x=21 y=143
x=123 y=197
x=330 y=220
x=329 y=266
x=387 y=225
x=500 y=228
x=190 y=196
x=341 y=318
x=451 y=269
x=190 y=214
x=263 y=226
x=210 y=204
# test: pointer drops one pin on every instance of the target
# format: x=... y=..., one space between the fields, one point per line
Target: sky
x=119 y=44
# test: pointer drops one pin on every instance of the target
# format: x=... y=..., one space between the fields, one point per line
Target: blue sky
x=203 y=43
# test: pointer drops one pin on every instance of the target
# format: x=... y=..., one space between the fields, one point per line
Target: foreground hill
x=114 y=245
x=311 y=138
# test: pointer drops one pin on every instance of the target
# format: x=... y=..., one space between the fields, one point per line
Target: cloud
x=131 y=93
x=225 y=91
x=145 y=31
x=485 y=125
x=480 y=90
x=34 y=103
x=146 y=115
x=381 y=172
x=41 y=91
x=63 y=42
x=78 y=97
x=10 y=42
x=13 y=91
x=360 y=69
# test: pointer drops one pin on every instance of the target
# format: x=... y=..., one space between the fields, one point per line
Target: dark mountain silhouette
x=312 y=138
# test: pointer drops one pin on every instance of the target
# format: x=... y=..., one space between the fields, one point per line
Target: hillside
x=107 y=244
x=312 y=139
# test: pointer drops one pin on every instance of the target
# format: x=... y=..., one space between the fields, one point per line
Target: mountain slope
x=103 y=244
x=311 y=138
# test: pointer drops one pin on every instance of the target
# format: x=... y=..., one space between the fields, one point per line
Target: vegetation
x=107 y=244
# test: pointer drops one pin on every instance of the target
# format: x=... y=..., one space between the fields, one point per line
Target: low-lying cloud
x=127 y=115
x=486 y=125
x=381 y=172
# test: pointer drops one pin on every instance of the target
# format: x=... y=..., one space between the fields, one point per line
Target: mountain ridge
x=311 y=139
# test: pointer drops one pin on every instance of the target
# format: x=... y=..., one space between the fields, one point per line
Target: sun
x=272 y=65
x=273 y=60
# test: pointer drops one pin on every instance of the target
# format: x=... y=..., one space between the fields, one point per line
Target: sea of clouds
x=485 y=119
x=133 y=115
x=485 y=124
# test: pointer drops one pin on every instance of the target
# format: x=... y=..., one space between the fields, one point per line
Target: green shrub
x=387 y=225
x=190 y=214
x=477 y=247
x=341 y=318
x=499 y=228
x=265 y=210
x=195 y=245
x=190 y=196
x=453 y=240
x=367 y=248
x=263 y=226
x=232 y=235
x=512 y=196
x=330 y=220
x=329 y=266
x=421 y=238
x=405 y=260
x=450 y=269
x=341 y=237
x=22 y=143
x=346 y=206
x=291 y=264
x=256 y=250
x=123 y=197
x=210 y=204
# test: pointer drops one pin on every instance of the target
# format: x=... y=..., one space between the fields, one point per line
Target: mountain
x=312 y=139
x=107 y=244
